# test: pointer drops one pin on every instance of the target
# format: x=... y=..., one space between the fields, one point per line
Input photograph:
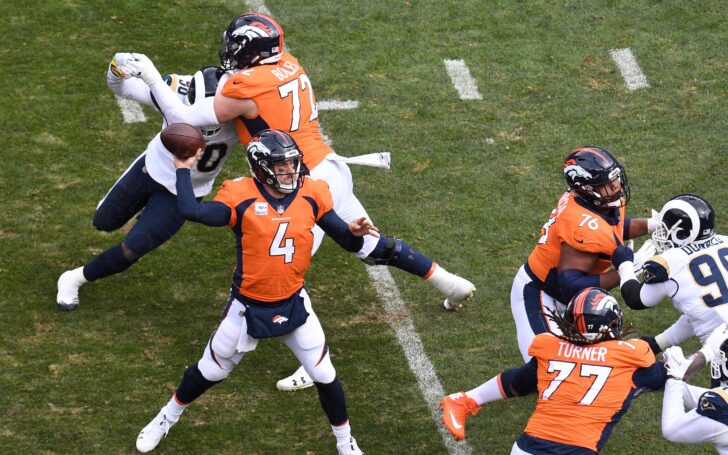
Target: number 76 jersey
x=583 y=391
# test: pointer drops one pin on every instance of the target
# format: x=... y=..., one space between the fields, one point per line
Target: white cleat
x=349 y=448
x=455 y=288
x=152 y=434
x=68 y=284
x=298 y=380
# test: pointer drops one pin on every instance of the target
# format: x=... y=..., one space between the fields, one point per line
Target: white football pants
x=338 y=175
x=229 y=343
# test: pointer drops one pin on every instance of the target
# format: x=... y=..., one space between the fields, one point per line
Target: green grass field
x=472 y=183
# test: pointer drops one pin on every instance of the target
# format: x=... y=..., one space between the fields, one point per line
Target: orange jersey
x=580 y=227
x=583 y=390
x=285 y=100
x=274 y=238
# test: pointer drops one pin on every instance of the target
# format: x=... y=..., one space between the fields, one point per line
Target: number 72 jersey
x=285 y=100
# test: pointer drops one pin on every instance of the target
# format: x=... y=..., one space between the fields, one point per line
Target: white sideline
x=131 y=110
x=631 y=72
x=401 y=322
x=403 y=327
x=462 y=80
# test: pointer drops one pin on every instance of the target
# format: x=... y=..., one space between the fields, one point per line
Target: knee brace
x=387 y=251
x=193 y=385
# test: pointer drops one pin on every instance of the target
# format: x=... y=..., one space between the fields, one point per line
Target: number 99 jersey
x=220 y=142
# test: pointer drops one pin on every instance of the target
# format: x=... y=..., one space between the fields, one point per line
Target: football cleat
x=456 y=408
x=155 y=430
x=349 y=448
x=68 y=284
x=298 y=380
x=455 y=288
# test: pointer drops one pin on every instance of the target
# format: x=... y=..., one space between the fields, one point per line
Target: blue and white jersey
x=695 y=277
x=159 y=162
x=694 y=415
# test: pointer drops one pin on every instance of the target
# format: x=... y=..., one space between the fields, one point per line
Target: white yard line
x=462 y=80
x=631 y=73
x=332 y=105
x=401 y=322
x=131 y=110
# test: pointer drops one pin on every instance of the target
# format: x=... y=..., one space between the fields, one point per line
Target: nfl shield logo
x=261 y=208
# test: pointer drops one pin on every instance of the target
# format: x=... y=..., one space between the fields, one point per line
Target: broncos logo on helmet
x=588 y=169
x=269 y=147
x=591 y=317
x=251 y=39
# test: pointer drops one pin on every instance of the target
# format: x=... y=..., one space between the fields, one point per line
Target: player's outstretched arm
x=341 y=233
x=126 y=87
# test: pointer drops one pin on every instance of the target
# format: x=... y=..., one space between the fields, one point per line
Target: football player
x=586 y=377
x=148 y=185
x=691 y=269
x=270 y=89
x=271 y=215
x=692 y=414
x=576 y=244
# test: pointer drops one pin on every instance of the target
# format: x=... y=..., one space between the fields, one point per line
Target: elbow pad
x=630 y=291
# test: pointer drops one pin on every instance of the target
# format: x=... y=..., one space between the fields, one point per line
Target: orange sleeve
x=635 y=352
x=227 y=195
x=323 y=195
x=247 y=84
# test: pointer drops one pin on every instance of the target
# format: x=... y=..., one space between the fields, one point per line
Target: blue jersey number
x=715 y=275
x=211 y=157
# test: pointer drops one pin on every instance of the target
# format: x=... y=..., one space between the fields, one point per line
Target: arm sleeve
x=202 y=113
x=572 y=281
x=337 y=229
x=520 y=381
x=686 y=427
x=630 y=291
x=625 y=229
x=209 y=213
x=652 y=377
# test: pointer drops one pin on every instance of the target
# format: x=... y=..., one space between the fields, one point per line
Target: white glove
x=653 y=223
x=675 y=362
x=646 y=251
x=712 y=343
x=115 y=72
x=142 y=67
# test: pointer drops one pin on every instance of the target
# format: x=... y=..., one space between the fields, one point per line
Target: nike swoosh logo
x=454 y=421
x=236 y=82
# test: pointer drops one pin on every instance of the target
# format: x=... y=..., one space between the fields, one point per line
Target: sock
x=109 y=262
x=342 y=433
x=332 y=400
x=78 y=276
x=486 y=392
x=397 y=253
x=175 y=408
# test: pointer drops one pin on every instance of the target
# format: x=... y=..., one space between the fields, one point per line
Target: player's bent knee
x=130 y=255
x=105 y=223
x=213 y=371
x=324 y=372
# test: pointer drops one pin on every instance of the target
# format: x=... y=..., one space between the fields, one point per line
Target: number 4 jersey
x=583 y=391
x=274 y=238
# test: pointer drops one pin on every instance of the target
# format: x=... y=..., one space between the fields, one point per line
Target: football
x=182 y=140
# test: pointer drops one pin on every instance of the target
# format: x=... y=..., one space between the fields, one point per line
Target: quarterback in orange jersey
x=576 y=244
x=586 y=377
x=269 y=88
x=271 y=215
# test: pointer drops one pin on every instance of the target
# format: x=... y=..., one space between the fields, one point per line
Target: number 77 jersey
x=285 y=100
x=584 y=390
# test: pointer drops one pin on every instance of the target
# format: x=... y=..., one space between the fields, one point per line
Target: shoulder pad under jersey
x=657 y=270
x=713 y=404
